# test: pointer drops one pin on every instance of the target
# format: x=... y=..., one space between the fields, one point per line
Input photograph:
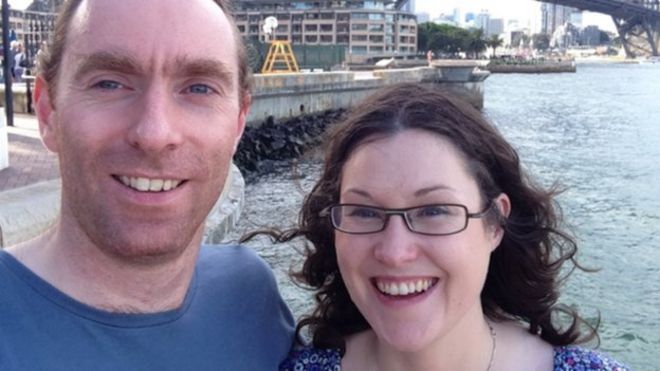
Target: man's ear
x=242 y=118
x=503 y=205
x=43 y=105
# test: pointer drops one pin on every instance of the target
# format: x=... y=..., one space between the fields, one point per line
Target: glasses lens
x=357 y=219
x=437 y=219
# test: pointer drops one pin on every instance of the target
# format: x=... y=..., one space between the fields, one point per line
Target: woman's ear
x=502 y=204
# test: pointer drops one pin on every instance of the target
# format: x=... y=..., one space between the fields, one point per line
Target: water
x=597 y=133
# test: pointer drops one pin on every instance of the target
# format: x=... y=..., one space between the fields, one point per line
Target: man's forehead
x=157 y=36
x=134 y=20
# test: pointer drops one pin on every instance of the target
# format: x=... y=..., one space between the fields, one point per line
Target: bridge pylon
x=640 y=36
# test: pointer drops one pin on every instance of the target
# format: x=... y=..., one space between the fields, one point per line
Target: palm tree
x=494 y=42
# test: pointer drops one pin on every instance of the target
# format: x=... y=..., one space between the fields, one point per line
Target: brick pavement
x=29 y=161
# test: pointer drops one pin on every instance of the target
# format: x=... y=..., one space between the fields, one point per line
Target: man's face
x=145 y=118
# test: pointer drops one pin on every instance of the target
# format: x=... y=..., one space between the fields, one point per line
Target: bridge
x=637 y=21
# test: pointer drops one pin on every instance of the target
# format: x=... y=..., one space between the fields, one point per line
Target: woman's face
x=446 y=273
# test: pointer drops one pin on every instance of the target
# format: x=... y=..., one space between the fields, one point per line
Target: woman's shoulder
x=568 y=358
x=310 y=358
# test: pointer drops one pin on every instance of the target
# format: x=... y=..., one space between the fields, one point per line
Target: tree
x=475 y=41
x=449 y=40
x=495 y=42
x=541 y=41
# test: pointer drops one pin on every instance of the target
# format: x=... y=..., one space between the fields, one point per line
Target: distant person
x=20 y=62
x=432 y=250
x=144 y=103
x=429 y=57
x=43 y=48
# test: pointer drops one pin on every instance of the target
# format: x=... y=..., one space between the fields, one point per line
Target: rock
x=263 y=147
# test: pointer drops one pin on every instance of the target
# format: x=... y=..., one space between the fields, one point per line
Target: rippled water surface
x=596 y=132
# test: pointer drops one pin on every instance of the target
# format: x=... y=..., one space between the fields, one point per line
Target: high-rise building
x=457 y=16
x=366 y=28
x=553 y=16
x=483 y=21
x=409 y=6
x=495 y=26
x=423 y=17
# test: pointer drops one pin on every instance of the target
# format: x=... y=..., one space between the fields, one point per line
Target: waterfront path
x=29 y=161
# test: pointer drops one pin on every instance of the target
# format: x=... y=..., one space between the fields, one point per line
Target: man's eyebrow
x=215 y=69
x=106 y=61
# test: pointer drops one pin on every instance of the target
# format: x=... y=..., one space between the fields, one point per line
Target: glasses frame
x=327 y=212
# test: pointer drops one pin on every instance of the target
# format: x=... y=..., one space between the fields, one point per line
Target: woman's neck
x=470 y=345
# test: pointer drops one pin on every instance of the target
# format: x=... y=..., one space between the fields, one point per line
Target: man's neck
x=109 y=283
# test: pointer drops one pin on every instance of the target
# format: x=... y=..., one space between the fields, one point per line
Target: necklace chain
x=492 y=351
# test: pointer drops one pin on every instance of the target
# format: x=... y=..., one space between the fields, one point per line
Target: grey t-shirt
x=233 y=318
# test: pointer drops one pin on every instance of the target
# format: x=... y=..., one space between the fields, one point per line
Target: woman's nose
x=396 y=244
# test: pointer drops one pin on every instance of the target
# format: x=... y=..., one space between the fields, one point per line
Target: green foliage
x=541 y=41
x=451 y=40
x=494 y=42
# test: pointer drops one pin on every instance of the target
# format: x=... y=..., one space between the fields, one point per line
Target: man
x=144 y=102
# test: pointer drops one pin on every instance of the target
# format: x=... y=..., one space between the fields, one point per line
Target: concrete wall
x=20 y=97
x=287 y=95
x=4 y=143
x=28 y=211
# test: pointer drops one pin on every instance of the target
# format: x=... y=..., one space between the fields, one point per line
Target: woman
x=432 y=250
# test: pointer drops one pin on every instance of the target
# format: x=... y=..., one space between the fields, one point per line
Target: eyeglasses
x=434 y=220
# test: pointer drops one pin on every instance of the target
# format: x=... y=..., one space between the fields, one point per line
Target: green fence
x=308 y=56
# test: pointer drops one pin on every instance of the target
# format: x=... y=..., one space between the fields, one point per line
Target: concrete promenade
x=29 y=161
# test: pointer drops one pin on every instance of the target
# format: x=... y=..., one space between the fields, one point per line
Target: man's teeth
x=404 y=288
x=149 y=185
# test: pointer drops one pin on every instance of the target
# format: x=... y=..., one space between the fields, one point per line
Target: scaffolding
x=280 y=58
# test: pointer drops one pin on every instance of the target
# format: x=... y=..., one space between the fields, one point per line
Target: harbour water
x=597 y=133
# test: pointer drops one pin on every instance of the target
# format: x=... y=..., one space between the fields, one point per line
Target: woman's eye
x=200 y=89
x=431 y=211
x=364 y=213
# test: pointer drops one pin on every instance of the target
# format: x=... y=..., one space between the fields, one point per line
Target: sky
x=526 y=11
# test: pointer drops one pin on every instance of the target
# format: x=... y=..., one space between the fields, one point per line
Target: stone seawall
x=285 y=96
x=538 y=67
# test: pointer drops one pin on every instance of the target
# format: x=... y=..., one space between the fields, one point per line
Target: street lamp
x=9 y=96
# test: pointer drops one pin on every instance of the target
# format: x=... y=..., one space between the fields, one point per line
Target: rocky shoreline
x=272 y=145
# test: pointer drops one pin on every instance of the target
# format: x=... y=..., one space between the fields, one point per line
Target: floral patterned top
x=567 y=358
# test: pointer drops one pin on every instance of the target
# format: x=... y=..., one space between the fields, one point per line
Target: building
x=423 y=17
x=33 y=25
x=553 y=16
x=409 y=6
x=366 y=28
x=457 y=16
x=495 y=27
x=483 y=21
x=590 y=36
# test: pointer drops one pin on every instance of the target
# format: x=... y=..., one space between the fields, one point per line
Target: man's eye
x=200 y=89
x=108 y=85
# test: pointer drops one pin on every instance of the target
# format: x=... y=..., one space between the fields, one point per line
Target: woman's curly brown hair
x=524 y=272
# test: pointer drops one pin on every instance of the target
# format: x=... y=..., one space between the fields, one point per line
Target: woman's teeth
x=404 y=288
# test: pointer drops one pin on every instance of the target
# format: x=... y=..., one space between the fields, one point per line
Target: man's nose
x=396 y=245
x=157 y=126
